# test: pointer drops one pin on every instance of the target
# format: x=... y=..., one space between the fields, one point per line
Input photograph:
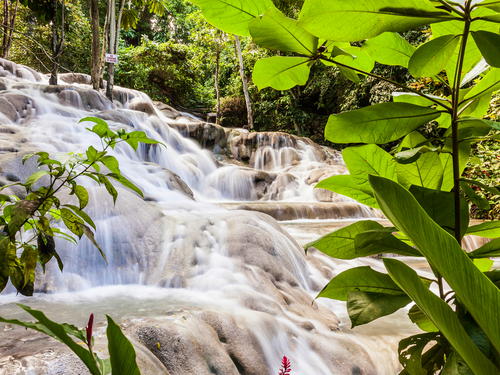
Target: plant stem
x=438 y=102
x=454 y=120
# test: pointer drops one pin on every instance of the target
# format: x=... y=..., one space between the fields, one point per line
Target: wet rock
x=210 y=136
x=167 y=110
x=138 y=104
x=323 y=195
x=172 y=180
x=79 y=78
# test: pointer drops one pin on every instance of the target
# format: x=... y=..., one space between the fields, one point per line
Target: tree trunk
x=104 y=48
x=217 y=108
x=244 y=80
x=94 y=22
x=55 y=42
x=9 y=20
x=111 y=48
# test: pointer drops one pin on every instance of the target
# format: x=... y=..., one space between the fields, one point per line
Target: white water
x=186 y=258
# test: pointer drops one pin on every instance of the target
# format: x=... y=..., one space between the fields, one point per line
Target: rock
x=79 y=78
x=139 y=104
x=167 y=110
x=323 y=195
x=210 y=136
x=173 y=181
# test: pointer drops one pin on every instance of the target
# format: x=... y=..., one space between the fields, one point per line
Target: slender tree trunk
x=104 y=48
x=55 y=44
x=217 y=108
x=9 y=20
x=94 y=21
x=244 y=80
x=112 y=41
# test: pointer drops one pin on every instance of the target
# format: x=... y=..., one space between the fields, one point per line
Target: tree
x=420 y=188
x=9 y=20
x=49 y=12
x=94 y=22
x=244 y=80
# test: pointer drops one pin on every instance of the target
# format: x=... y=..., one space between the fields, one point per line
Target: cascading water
x=203 y=290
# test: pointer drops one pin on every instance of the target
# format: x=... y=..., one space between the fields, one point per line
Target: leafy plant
x=419 y=188
x=24 y=221
x=34 y=217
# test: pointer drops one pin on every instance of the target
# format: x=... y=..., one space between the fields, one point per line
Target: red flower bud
x=285 y=366
x=89 y=329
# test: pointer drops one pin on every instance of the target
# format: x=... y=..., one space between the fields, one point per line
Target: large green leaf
x=410 y=354
x=379 y=123
x=121 y=351
x=365 y=307
x=362 y=279
x=423 y=322
x=412 y=98
x=488 y=229
x=389 y=49
x=233 y=16
x=473 y=55
x=474 y=290
x=487 y=85
x=354 y=57
x=344 y=185
x=340 y=243
x=427 y=172
x=431 y=57
x=489 y=45
x=489 y=249
x=281 y=73
x=440 y=206
x=35 y=177
x=447 y=163
x=381 y=242
x=357 y=20
x=368 y=159
x=441 y=315
x=278 y=32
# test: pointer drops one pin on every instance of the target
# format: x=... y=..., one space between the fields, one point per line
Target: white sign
x=110 y=58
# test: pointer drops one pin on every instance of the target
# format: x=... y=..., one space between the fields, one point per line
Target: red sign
x=110 y=58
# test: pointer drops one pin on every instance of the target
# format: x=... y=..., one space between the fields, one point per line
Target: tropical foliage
x=420 y=189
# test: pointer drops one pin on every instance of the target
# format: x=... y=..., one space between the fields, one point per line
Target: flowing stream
x=203 y=280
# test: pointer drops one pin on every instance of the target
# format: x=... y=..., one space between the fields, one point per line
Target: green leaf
x=389 y=49
x=125 y=183
x=474 y=290
x=278 y=32
x=488 y=229
x=365 y=307
x=368 y=159
x=109 y=187
x=21 y=211
x=340 y=243
x=423 y=322
x=440 y=206
x=489 y=189
x=481 y=202
x=82 y=214
x=344 y=185
x=111 y=163
x=82 y=195
x=34 y=178
x=430 y=58
x=487 y=85
x=59 y=332
x=354 y=57
x=427 y=172
x=121 y=351
x=356 y=21
x=441 y=315
x=489 y=249
x=455 y=365
x=101 y=128
x=410 y=353
x=72 y=222
x=492 y=4
x=281 y=73
x=380 y=242
x=379 y=123
x=361 y=279
x=233 y=16
x=136 y=137
x=483 y=265
x=489 y=45
x=412 y=98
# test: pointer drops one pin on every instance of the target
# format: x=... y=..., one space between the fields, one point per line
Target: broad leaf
x=455 y=365
x=431 y=57
x=82 y=195
x=368 y=159
x=365 y=307
x=379 y=123
x=362 y=279
x=489 y=249
x=125 y=182
x=423 y=322
x=355 y=57
x=121 y=351
x=34 y=178
x=475 y=291
x=278 y=32
x=355 y=20
x=72 y=222
x=488 y=229
x=481 y=202
x=281 y=73
x=487 y=85
x=389 y=49
x=489 y=45
x=410 y=353
x=233 y=16
x=412 y=98
x=381 y=242
x=441 y=315
x=344 y=185
x=427 y=172
x=340 y=243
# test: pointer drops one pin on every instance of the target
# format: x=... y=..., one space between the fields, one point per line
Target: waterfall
x=203 y=278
